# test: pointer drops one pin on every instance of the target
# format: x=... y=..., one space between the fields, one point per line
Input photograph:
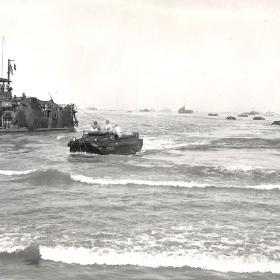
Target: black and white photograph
x=140 y=140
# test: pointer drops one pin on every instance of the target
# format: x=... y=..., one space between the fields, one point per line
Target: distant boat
x=144 y=110
x=243 y=115
x=231 y=118
x=213 y=114
x=258 y=118
x=183 y=110
x=275 y=123
x=252 y=113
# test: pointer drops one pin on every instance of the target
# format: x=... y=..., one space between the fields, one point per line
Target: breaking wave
x=52 y=176
x=103 y=181
x=262 y=187
x=55 y=177
x=107 y=256
x=234 y=171
x=14 y=172
x=182 y=184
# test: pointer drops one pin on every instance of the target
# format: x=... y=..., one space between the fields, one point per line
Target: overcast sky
x=211 y=55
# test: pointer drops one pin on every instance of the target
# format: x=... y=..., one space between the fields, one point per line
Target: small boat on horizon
x=231 y=118
x=275 y=123
x=145 y=110
x=252 y=113
x=213 y=114
x=258 y=118
x=183 y=110
x=243 y=115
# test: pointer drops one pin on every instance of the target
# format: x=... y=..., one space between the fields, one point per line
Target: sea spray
x=107 y=256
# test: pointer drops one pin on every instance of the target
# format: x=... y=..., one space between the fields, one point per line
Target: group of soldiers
x=107 y=127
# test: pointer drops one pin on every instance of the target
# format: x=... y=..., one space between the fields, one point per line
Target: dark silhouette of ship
x=20 y=114
x=252 y=113
x=243 y=115
x=231 y=118
x=183 y=110
x=258 y=118
x=105 y=143
x=146 y=110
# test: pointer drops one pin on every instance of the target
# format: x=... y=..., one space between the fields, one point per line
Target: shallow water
x=200 y=201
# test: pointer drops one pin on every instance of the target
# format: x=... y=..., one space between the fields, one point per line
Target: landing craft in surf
x=105 y=143
x=27 y=114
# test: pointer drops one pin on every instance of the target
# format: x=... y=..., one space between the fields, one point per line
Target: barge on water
x=27 y=114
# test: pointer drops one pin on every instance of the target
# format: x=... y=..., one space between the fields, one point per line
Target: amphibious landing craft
x=104 y=143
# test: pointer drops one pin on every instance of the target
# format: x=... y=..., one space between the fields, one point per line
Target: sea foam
x=153 y=259
x=181 y=184
x=107 y=181
x=14 y=172
x=107 y=256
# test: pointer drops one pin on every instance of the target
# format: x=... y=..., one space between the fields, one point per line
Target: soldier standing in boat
x=96 y=126
x=117 y=130
x=108 y=126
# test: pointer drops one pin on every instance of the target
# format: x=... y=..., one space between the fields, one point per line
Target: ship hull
x=25 y=130
x=30 y=114
x=109 y=144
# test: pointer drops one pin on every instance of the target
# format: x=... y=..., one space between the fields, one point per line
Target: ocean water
x=200 y=201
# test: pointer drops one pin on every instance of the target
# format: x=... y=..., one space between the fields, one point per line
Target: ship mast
x=9 y=65
x=2 y=57
x=10 y=70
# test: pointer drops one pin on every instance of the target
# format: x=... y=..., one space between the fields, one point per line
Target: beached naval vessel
x=25 y=114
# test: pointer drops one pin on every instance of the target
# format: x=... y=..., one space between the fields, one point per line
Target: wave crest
x=181 y=184
x=104 y=181
x=222 y=263
x=15 y=172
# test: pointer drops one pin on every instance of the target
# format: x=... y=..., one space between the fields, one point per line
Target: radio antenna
x=3 y=40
